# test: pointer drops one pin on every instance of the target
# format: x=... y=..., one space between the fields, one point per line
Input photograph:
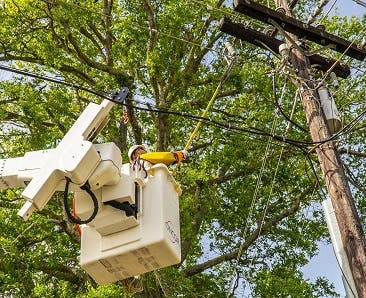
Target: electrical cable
x=228 y=126
x=49 y=79
x=154 y=110
x=257 y=131
x=278 y=105
x=70 y=216
x=359 y=2
x=223 y=78
x=272 y=182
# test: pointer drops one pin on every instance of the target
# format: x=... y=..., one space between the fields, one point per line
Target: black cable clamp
x=129 y=209
x=120 y=96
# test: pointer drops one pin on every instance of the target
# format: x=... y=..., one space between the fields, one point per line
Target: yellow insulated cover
x=166 y=158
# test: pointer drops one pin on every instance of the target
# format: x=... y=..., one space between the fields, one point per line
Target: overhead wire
x=103 y=95
x=229 y=126
x=251 y=208
x=50 y=79
x=272 y=182
x=88 y=9
x=359 y=2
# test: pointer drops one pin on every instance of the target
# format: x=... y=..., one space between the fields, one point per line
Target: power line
x=103 y=95
x=228 y=126
x=253 y=203
x=260 y=179
x=360 y=2
x=50 y=79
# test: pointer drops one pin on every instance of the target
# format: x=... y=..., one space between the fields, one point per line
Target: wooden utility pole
x=352 y=235
x=338 y=188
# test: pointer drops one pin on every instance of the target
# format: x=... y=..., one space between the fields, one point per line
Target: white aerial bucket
x=111 y=251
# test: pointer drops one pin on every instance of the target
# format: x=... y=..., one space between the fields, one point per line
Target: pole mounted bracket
x=120 y=96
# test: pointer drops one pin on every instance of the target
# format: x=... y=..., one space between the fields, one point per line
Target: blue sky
x=349 y=8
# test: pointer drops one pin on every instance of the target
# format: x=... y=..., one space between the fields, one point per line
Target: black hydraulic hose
x=70 y=216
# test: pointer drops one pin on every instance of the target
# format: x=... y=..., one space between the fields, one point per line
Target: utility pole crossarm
x=300 y=29
x=267 y=42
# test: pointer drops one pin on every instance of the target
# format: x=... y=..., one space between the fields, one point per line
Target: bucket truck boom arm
x=75 y=157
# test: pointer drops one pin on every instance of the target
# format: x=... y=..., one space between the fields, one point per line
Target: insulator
x=281 y=10
x=283 y=49
x=229 y=47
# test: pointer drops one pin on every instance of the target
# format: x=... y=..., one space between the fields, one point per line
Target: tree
x=239 y=221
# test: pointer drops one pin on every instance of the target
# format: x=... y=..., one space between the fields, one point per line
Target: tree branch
x=88 y=35
x=226 y=177
x=84 y=58
x=152 y=24
x=259 y=231
x=213 y=262
x=107 y=13
x=351 y=152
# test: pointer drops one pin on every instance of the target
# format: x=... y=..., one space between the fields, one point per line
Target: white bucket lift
x=115 y=246
x=130 y=214
x=330 y=110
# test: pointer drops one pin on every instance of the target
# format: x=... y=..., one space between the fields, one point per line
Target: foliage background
x=170 y=54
